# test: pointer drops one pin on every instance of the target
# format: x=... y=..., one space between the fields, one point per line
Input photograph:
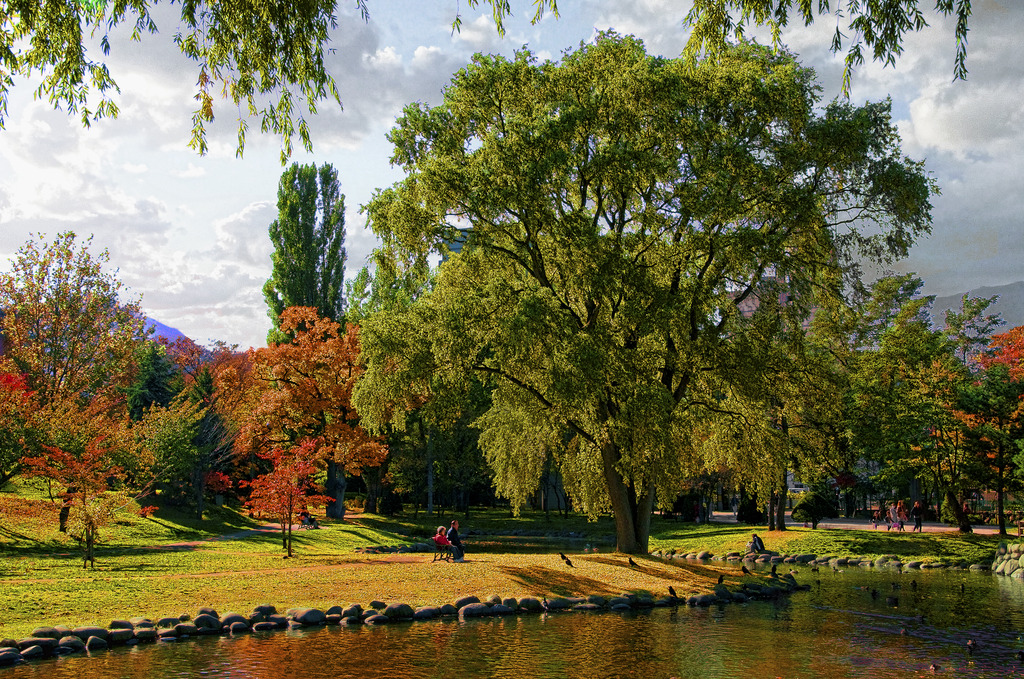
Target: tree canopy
x=266 y=58
x=65 y=326
x=631 y=218
x=878 y=28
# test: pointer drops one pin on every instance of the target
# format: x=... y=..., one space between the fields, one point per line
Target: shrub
x=814 y=507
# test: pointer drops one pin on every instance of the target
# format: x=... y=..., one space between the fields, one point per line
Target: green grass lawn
x=949 y=547
x=170 y=562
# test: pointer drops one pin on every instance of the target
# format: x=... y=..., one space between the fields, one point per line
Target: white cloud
x=386 y=58
x=199 y=251
x=191 y=172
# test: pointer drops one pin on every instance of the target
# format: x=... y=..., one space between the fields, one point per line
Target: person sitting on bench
x=458 y=552
x=442 y=548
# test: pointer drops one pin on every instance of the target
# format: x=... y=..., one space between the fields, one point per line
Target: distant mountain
x=1010 y=304
x=164 y=331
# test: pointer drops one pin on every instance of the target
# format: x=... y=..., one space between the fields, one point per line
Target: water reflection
x=852 y=624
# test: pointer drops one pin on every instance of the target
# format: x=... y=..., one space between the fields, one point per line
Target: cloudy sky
x=189 y=234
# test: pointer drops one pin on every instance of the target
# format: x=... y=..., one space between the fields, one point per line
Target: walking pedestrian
x=917 y=511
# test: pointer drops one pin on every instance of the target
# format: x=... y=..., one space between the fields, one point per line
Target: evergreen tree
x=309 y=246
x=158 y=381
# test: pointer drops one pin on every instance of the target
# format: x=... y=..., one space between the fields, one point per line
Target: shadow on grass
x=540 y=580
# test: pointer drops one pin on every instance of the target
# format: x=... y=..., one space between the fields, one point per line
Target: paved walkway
x=861 y=524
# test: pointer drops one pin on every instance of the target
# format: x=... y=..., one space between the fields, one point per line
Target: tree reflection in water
x=837 y=629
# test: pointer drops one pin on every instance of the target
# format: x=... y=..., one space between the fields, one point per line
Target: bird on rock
x=631 y=562
x=721 y=578
x=672 y=591
x=569 y=563
x=746 y=571
x=774 y=573
x=562 y=556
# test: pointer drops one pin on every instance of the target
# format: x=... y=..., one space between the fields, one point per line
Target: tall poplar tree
x=309 y=246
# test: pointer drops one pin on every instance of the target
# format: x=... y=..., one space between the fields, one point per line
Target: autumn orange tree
x=307 y=396
x=288 y=486
x=993 y=410
x=1007 y=349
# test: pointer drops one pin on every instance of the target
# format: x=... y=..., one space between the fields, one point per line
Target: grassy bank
x=170 y=564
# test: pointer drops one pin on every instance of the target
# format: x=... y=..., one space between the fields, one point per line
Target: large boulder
x=399 y=611
x=558 y=604
x=426 y=613
x=45 y=632
x=145 y=634
x=228 y=618
x=207 y=621
x=120 y=636
x=309 y=617
x=474 y=610
x=465 y=601
x=186 y=629
x=47 y=644
x=121 y=624
x=84 y=633
x=530 y=604
x=9 y=657
x=96 y=644
x=72 y=644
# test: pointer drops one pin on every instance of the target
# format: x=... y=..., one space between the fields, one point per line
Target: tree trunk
x=374 y=479
x=1000 y=488
x=632 y=511
x=335 y=488
x=780 y=519
x=199 y=490
x=65 y=510
x=430 y=473
x=772 y=508
x=958 y=512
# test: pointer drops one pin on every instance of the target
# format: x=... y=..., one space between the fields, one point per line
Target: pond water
x=837 y=629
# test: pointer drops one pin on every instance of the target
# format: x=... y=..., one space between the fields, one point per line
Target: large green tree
x=309 y=246
x=627 y=212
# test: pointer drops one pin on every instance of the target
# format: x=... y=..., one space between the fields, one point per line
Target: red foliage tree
x=288 y=486
x=87 y=478
x=17 y=405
